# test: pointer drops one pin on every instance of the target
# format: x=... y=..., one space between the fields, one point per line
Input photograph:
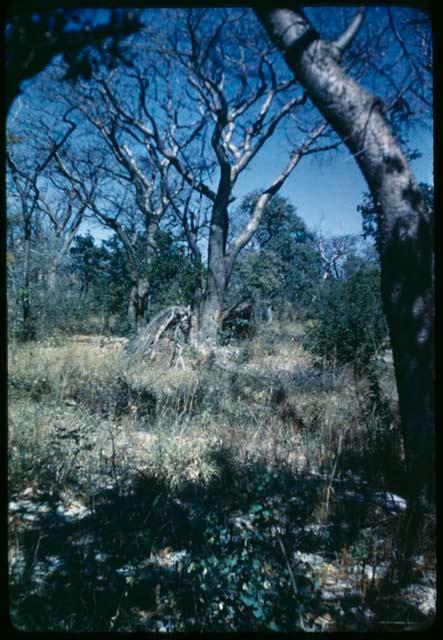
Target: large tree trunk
x=210 y=316
x=404 y=221
x=210 y=311
x=52 y=278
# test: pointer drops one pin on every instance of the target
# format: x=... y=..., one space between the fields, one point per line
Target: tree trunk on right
x=405 y=223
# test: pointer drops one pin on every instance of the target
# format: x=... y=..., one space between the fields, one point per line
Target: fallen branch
x=143 y=344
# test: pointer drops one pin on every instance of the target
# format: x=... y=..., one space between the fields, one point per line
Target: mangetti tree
x=122 y=183
x=130 y=200
x=364 y=121
x=193 y=110
x=207 y=107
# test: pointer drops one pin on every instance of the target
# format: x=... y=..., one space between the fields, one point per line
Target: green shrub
x=349 y=326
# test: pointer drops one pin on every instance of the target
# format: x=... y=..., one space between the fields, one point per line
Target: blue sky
x=325 y=190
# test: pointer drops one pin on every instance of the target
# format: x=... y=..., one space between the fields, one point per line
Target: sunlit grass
x=91 y=385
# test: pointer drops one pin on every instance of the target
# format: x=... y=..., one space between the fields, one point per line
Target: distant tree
x=100 y=276
x=349 y=326
x=116 y=284
x=86 y=261
x=283 y=263
x=27 y=165
x=127 y=194
x=174 y=274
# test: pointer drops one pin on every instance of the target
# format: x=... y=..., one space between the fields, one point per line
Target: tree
x=86 y=259
x=404 y=222
x=349 y=325
x=282 y=263
x=123 y=200
x=194 y=110
x=26 y=178
x=340 y=255
x=174 y=274
x=242 y=101
x=101 y=279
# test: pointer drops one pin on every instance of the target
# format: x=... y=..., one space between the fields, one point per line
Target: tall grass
x=83 y=396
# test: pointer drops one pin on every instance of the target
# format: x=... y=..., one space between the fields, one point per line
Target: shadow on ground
x=252 y=555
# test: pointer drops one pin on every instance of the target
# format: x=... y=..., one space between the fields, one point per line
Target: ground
x=255 y=492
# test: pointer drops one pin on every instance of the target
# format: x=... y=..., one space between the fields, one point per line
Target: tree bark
x=28 y=331
x=405 y=223
x=211 y=306
x=138 y=303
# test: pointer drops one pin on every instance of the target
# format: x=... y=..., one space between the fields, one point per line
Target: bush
x=349 y=326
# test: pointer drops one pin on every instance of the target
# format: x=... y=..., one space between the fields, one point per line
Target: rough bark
x=28 y=328
x=222 y=259
x=211 y=309
x=138 y=302
x=405 y=223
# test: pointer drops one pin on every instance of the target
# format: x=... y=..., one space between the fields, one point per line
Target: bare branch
x=346 y=38
x=251 y=152
x=253 y=223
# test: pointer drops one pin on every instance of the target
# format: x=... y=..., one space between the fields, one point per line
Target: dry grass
x=177 y=423
x=90 y=430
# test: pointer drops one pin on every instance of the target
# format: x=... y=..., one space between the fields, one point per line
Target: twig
x=37 y=546
x=291 y=574
x=180 y=360
x=288 y=564
x=114 y=467
x=331 y=479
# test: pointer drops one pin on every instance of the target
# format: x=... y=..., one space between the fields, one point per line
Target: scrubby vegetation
x=162 y=487
x=247 y=494
x=205 y=429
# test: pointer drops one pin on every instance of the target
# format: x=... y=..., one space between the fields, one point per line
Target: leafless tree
x=27 y=185
x=126 y=188
x=334 y=252
x=206 y=112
